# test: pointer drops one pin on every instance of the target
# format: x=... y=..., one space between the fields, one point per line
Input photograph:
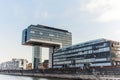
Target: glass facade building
x=101 y=52
x=44 y=36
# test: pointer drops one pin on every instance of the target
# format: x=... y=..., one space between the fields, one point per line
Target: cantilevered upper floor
x=46 y=36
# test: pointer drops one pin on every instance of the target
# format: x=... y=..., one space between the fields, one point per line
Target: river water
x=10 y=77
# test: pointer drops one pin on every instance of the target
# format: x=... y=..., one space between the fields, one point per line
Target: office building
x=29 y=66
x=101 y=52
x=40 y=36
x=43 y=65
x=14 y=64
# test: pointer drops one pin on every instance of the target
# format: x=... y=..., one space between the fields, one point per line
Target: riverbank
x=69 y=73
x=62 y=76
x=15 y=77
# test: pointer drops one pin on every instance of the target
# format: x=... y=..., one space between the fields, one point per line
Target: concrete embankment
x=67 y=76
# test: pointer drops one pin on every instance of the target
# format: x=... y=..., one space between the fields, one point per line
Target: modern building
x=29 y=66
x=40 y=36
x=43 y=65
x=101 y=52
x=14 y=64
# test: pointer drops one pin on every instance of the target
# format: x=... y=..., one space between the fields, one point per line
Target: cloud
x=40 y=11
x=39 y=14
x=18 y=10
x=105 y=10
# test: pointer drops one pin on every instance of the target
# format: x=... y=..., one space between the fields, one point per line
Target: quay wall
x=69 y=73
x=66 y=76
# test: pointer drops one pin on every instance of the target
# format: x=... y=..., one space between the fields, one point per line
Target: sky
x=86 y=19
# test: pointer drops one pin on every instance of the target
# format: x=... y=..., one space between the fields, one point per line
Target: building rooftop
x=85 y=43
x=47 y=27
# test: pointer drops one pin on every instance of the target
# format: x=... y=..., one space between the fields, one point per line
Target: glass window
x=41 y=33
x=51 y=35
x=32 y=32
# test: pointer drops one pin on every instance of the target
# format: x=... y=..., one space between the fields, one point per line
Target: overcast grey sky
x=86 y=19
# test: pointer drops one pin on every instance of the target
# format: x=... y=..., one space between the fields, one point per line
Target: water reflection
x=9 y=77
x=36 y=78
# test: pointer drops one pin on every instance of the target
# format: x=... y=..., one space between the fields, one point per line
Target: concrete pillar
x=37 y=52
x=50 y=56
x=51 y=52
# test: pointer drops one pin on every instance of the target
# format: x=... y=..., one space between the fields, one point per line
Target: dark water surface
x=10 y=77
